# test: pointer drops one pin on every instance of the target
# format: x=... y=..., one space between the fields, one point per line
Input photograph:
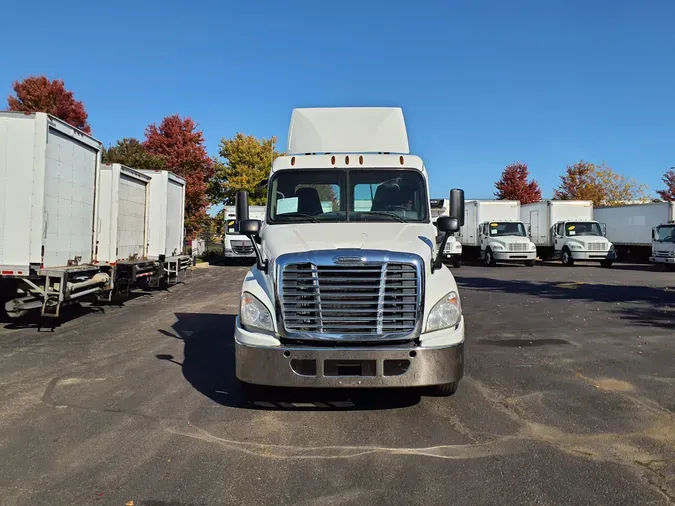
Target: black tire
x=489 y=259
x=444 y=390
x=607 y=264
x=566 y=256
x=457 y=263
x=530 y=263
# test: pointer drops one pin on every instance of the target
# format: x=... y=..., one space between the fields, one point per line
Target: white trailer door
x=534 y=228
x=131 y=218
x=70 y=180
x=174 y=224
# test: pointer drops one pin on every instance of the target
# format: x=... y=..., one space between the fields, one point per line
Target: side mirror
x=654 y=234
x=457 y=205
x=241 y=206
x=250 y=228
x=604 y=229
x=448 y=224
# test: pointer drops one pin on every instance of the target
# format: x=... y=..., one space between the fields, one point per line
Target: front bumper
x=593 y=255
x=324 y=367
x=239 y=253
x=514 y=256
x=662 y=260
x=451 y=254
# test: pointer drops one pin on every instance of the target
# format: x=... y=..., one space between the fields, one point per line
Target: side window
x=560 y=229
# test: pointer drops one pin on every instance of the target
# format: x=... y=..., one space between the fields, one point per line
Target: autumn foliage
x=669 y=180
x=514 y=185
x=599 y=183
x=181 y=146
x=39 y=94
x=132 y=153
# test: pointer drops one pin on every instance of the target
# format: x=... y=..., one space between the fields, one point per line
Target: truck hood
x=415 y=238
x=509 y=239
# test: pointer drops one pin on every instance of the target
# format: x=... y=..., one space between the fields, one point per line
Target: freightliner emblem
x=349 y=260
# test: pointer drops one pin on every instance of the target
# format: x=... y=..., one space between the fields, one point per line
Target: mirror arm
x=438 y=261
x=263 y=265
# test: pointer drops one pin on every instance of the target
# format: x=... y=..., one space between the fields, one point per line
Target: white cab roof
x=348 y=130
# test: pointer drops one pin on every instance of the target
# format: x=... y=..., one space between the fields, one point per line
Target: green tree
x=245 y=163
x=599 y=183
x=132 y=153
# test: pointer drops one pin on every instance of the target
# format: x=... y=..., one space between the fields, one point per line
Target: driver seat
x=309 y=201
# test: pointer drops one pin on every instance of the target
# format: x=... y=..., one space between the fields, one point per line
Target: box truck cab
x=493 y=231
x=453 y=249
x=565 y=230
x=349 y=289
x=236 y=244
x=663 y=245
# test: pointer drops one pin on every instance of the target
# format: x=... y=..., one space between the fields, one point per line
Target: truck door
x=534 y=227
x=559 y=236
x=482 y=235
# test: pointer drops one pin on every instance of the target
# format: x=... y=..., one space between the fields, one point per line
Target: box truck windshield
x=499 y=229
x=665 y=233
x=582 y=228
x=374 y=195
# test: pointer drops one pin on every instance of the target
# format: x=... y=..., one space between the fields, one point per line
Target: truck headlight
x=254 y=314
x=611 y=247
x=446 y=313
x=575 y=246
x=497 y=247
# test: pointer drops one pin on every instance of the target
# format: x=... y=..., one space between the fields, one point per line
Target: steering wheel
x=282 y=195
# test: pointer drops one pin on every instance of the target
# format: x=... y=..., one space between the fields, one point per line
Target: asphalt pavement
x=568 y=398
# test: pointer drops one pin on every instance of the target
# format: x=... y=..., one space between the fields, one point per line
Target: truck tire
x=566 y=256
x=607 y=263
x=530 y=263
x=445 y=390
x=456 y=263
x=489 y=260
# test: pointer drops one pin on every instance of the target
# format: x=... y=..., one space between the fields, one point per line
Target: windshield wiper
x=386 y=213
x=309 y=217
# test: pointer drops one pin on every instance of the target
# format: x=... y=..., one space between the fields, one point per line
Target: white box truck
x=566 y=230
x=663 y=245
x=49 y=176
x=235 y=244
x=493 y=232
x=357 y=295
x=453 y=249
x=631 y=228
x=166 y=223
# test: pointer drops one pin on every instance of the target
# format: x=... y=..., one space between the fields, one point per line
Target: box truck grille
x=356 y=302
x=597 y=246
x=518 y=246
x=242 y=247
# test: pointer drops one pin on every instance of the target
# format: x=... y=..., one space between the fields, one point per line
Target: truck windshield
x=665 y=233
x=573 y=228
x=337 y=195
x=498 y=228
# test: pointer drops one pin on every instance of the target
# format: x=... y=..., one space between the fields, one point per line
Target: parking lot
x=568 y=397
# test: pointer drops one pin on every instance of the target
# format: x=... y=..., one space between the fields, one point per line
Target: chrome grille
x=376 y=300
x=597 y=246
x=518 y=246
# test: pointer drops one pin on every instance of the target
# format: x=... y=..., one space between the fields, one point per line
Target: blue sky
x=481 y=83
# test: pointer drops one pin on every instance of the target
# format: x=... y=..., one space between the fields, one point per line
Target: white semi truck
x=235 y=244
x=493 y=231
x=641 y=231
x=453 y=249
x=71 y=229
x=566 y=230
x=357 y=295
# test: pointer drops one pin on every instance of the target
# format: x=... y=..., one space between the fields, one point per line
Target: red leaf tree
x=181 y=146
x=669 y=180
x=39 y=94
x=514 y=185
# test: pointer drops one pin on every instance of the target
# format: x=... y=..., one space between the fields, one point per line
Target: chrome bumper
x=301 y=366
x=662 y=260
x=593 y=255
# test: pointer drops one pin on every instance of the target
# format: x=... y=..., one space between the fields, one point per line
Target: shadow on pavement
x=208 y=366
x=655 y=308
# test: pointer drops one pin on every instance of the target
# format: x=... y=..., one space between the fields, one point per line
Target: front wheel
x=607 y=263
x=457 y=263
x=567 y=259
x=445 y=390
x=530 y=263
x=489 y=258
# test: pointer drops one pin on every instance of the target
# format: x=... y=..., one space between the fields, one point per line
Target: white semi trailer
x=71 y=228
x=453 y=249
x=635 y=229
x=235 y=244
x=355 y=295
x=493 y=231
x=566 y=230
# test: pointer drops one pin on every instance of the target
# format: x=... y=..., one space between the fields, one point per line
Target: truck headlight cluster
x=575 y=246
x=533 y=246
x=254 y=314
x=498 y=247
x=446 y=313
